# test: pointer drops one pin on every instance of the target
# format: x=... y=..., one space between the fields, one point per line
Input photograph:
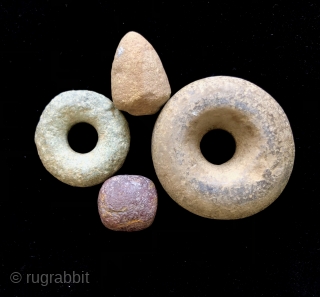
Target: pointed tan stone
x=139 y=83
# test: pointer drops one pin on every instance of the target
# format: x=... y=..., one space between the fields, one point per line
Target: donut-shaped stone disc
x=51 y=138
x=260 y=167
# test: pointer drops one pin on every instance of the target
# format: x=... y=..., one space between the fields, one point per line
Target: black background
x=50 y=227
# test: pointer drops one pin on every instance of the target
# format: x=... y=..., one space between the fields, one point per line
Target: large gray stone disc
x=51 y=138
x=258 y=171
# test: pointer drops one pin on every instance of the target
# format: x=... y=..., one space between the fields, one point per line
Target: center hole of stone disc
x=82 y=138
x=218 y=146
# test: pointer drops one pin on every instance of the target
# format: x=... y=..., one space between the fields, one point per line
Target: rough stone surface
x=127 y=203
x=139 y=82
x=261 y=166
x=51 y=138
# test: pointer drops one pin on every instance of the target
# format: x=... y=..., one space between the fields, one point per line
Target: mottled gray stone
x=51 y=138
x=261 y=166
x=127 y=203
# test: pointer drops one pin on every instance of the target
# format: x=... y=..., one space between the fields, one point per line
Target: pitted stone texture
x=139 y=82
x=51 y=138
x=127 y=203
x=261 y=166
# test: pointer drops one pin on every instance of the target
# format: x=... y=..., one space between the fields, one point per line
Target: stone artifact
x=127 y=203
x=261 y=166
x=139 y=82
x=70 y=167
